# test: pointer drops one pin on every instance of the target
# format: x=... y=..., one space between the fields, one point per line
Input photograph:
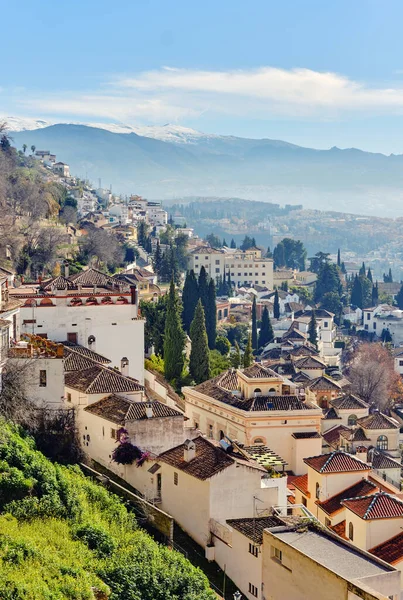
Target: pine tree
x=190 y=297
x=312 y=330
x=269 y=253
x=174 y=338
x=248 y=354
x=390 y=276
x=224 y=243
x=399 y=298
x=266 y=333
x=199 y=362
x=233 y=244
x=338 y=258
x=211 y=316
x=157 y=260
x=343 y=268
x=229 y=283
x=276 y=308
x=369 y=275
x=236 y=357
x=254 y=324
x=362 y=270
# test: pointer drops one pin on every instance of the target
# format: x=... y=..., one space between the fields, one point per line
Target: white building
x=61 y=169
x=245 y=268
x=375 y=320
x=90 y=309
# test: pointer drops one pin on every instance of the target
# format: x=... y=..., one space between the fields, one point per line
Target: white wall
x=53 y=393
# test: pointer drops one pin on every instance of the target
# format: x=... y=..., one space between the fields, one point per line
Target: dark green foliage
x=386 y=336
x=269 y=253
x=369 y=275
x=254 y=325
x=218 y=363
x=199 y=362
x=155 y=316
x=338 y=258
x=399 y=298
x=174 y=338
x=375 y=294
x=290 y=253
x=318 y=261
x=213 y=240
x=223 y=345
x=68 y=537
x=362 y=271
x=328 y=281
x=266 y=333
x=361 y=293
x=236 y=358
x=211 y=315
x=190 y=297
x=157 y=259
x=248 y=354
x=276 y=308
x=142 y=234
x=388 y=277
x=248 y=242
x=233 y=244
x=203 y=287
x=312 y=330
x=356 y=293
x=331 y=302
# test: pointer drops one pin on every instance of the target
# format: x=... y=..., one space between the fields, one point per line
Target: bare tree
x=372 y=375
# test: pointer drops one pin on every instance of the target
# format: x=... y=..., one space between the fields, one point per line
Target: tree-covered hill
x=63 y=536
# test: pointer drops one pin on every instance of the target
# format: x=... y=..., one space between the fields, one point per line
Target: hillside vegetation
x=63 y=536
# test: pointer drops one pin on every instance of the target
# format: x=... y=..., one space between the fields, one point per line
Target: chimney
x=133 y=292
x=189 y=450
x=66 y=270
x=124 y=366
x=149 y=410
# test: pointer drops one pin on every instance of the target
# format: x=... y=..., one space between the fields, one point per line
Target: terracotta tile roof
x=229 y=380
x=304 y=350
x=119 y=410
x=323 y=383
x=257 y=371
x=286 y=369
x=348 y=402
x=301 y=378
x=390 y=551
x=309 y=362
x=382 y=461
x=332 y=436
x=331 y=414
x=378 y=506
x=305 y=435
x=336 y=462
x=253 y=528
x=263 y=403
x=355 y=434
x=101 y=380
x=74 y=361
x=301 y=483
x=361 y=488
x=57 y=283
x=99 y=358
x=340 y=529
x=378 y=420
x=294 y=334
x=209 y=459
x=91 y=277
x=273 y=353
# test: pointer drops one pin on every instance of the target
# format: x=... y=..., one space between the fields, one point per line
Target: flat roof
x=332 y=554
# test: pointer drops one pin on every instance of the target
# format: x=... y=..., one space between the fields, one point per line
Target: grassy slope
x=63 y=536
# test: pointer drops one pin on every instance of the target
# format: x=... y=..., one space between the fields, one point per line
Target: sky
x=312 y=72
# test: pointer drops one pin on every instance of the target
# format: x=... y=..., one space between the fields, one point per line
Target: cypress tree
x=254 y=324
x=343 y=268
x=229 y=283
x=157 y=261
x=199 y=362
x=203 y=287
x=338 y=258
x=362 y=270
x=174 y=338
x=248 y=354
x=224 y=243
x=236 y=357
x=211 y=316
x=266 y=333
x=276 y=309
x=369 y=275
x=190 y=297
x=312 y=330
x=399 y=298
x=390 y=276
x=356 y=292
x=233 y=244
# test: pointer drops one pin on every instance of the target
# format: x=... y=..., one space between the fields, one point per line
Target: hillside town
x=253 y=398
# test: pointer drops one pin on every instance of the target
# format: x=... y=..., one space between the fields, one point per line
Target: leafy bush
x=223 y=345
x=64 y=536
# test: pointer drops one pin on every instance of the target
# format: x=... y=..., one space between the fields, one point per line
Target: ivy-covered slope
x=63 y=536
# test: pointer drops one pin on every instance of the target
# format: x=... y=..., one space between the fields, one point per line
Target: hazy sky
x=317 y=73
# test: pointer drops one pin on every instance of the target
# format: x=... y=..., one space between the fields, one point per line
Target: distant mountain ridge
x=172 y=161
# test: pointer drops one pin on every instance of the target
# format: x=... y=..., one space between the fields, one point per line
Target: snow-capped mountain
x=167 y=133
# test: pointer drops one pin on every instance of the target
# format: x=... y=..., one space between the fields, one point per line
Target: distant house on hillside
x=61 y=169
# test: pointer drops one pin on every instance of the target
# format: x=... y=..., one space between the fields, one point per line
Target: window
x=304 y=501
x=326 y=324
x=253 y=590
x=206 y=258
x=210 y=431
x=239 y=274
x=258 y=441
x=245 y=274
x=42 y=378
x=366 y=327
x=400 y=363
x=263 y=273
x=382 y=442
x=253 y=549
x=196 y=258
x=232 y=274
x=350 y=531
x=263 y=279
x=217 y=270
x=68 y=397
x=176 y=478
x=113 y=434
x=368 y=316
x=217 y=262
x=72 y=337
x=277 y=554
x=317 y=491
x=352 y=420
x=256 y=274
